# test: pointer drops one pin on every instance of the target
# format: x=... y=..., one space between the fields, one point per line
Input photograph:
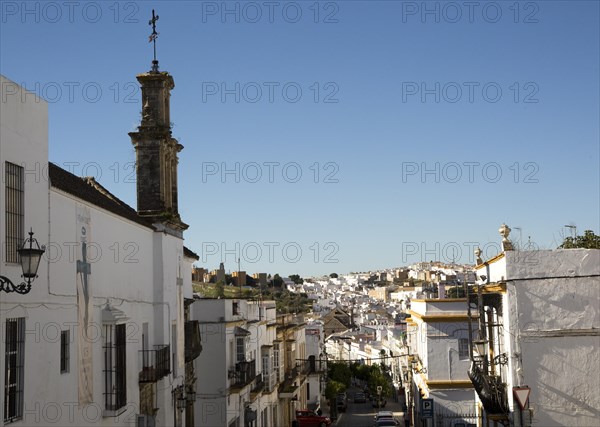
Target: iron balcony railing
x=244 y=373
x=491 y=390
x=156 y=363
x=259 y=384
x=193 y=347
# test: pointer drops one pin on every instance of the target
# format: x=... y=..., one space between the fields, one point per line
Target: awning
x=241 y=332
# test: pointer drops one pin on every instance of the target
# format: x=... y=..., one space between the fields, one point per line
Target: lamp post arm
x=8 y=286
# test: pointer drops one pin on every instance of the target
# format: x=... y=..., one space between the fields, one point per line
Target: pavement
x=362 y=414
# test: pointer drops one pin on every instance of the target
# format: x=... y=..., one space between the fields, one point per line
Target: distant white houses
x=255 y=368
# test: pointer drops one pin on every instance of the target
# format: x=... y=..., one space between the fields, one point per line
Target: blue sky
x=500 y=102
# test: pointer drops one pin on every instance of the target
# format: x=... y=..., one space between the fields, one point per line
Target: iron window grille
x=14 y=363
x=15 y=210
x=463 y=348
x=65 y=340
x=115 y=367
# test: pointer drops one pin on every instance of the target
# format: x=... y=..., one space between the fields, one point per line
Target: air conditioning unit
x=144 y=420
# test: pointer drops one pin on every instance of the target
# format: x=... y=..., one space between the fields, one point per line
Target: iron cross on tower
x=152 y=38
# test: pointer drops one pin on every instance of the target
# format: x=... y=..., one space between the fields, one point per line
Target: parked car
x=306 y=418
x=359 y=397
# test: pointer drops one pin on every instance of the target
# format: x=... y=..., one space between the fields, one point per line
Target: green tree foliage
x=296 y=279
x=360 y=371
x=290 y=302
x=377 y=378
x=333 y=275
x=220 y=289
x=339 y=372
x=455 y=292
x=277 y=281
x=333 y=388
x=589 y=240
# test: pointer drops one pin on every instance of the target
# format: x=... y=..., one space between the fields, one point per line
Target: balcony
x=243 y=374
x=258 y=387
x=156 y=363
x=293 y=379
x=316 y=366
x=491 y=391
x=193 y=347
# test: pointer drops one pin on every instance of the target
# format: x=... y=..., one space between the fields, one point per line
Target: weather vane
x=152 y=38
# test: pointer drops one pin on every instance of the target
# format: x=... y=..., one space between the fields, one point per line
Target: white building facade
x=99 y=339
x=539 y=337
x=437 y=363
x=241 y=365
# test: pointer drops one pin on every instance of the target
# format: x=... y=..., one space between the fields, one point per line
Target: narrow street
x=362 y=414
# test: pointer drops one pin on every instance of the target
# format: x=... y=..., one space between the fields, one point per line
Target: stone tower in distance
x=156 y=149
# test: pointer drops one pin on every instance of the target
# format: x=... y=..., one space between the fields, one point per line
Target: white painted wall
x=132 y=267
x=561 y=370
x=551 y=319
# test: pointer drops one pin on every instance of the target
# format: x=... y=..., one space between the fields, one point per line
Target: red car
x=308 y=418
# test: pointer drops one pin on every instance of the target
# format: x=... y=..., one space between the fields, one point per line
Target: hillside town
x=108 y=317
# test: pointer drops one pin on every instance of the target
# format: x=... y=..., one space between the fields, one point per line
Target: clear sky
x=418 y=127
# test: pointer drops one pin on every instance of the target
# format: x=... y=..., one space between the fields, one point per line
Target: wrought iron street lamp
x=181 y=401
x=415 y=367
x=30 y=257
x=191 y=395
x=480 y=346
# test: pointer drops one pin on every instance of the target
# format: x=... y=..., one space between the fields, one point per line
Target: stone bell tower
x=156 y=150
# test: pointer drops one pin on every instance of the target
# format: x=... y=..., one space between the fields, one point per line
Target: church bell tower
x=156 y=149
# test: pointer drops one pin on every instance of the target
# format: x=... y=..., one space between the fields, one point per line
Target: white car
x=385 y=419
x=384 y=414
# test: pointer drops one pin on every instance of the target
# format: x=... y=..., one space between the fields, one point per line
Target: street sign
x=427 y=408
x=379 y=388
x=522 y=395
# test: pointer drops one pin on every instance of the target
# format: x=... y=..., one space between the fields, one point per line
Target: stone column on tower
x=157 y=152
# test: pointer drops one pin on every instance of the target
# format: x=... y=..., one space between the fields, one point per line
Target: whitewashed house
x=315 y=353
x=437 y=362
x=100 y=337
x=242 y=368
x=536 y=358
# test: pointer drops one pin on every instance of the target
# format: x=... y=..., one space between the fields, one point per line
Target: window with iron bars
x=15 y=210
x=14 y=363
x=65 y=340
x=115 y=385
x=463 y=348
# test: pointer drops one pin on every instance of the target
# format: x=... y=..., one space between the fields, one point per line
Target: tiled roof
x=190 y=254
x=89 y=190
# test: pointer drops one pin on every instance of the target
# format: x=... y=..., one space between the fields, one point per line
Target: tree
x=589 y=240
x=377 y=378
x=333 y=275
x=220 y=289
x=339 y=372
x=277 y=281
x=455 y=292
x=289 y=302
x=333 y=388
x=296 y=279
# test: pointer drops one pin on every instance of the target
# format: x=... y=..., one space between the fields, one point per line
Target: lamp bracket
x=8 y=286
